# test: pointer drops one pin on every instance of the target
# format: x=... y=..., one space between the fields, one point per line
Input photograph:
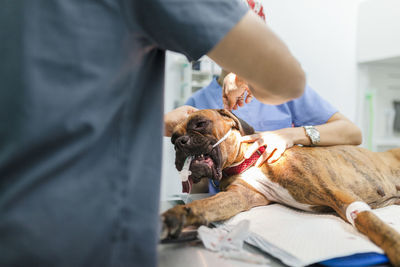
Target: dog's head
x=196 y=137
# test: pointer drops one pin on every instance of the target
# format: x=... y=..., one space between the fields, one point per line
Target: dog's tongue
x=187 y=186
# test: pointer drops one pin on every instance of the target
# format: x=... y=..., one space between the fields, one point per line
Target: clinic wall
x=379 y=36
x=322 y=36
x=170 y=183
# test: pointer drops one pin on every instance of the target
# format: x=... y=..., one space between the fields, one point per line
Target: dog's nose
x=182 y=141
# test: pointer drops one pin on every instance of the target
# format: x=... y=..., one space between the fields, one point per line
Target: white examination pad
x=300 y=238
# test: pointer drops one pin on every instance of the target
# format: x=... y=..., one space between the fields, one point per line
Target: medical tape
x=354 y=209
x=223 y=138
x=185 y=172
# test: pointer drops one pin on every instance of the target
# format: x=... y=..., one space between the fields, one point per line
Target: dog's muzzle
x=201 y=163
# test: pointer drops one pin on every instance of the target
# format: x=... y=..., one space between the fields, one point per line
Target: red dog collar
x=245 y=164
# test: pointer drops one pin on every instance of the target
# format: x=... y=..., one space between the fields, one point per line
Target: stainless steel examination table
x=194 y=254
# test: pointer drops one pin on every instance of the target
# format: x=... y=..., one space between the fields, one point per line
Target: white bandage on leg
x=354 y=208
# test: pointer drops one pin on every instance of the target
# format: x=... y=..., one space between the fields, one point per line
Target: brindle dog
x=307 y=178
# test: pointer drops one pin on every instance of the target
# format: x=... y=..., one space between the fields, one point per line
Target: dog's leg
x=370 y=225
x=238 y=197
x=381 y=234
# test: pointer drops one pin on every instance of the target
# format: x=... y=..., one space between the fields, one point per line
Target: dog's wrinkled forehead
x=200 y=121
x=211 y=121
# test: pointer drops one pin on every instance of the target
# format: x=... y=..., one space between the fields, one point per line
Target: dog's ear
x=241 y=125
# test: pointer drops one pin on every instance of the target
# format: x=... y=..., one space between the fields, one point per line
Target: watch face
x=313 y=134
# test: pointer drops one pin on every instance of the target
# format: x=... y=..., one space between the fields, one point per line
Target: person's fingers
x=189 y=109
x=232 y=102
x=192 y=109
x=249 y=97
x=233 y=96
x=253 y=148
x=240 y=102
x=249 y=138
x=229 y=104
x=262 y=159
x=269 y=150
x=225 y=102
x=277 y=154
x=225 y=97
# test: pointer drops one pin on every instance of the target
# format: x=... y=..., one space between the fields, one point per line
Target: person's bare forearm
x=262 y=59
x=337 y=131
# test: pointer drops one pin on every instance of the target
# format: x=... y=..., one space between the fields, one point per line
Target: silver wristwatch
x=313 y=134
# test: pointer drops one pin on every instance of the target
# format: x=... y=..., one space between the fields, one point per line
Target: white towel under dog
x=299 y=238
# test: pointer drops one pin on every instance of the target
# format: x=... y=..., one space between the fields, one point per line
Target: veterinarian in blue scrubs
x=81 y=105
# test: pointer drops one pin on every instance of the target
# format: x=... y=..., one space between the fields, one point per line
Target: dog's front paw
x=173 y=221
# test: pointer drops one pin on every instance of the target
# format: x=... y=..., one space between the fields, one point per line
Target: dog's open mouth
x=201 y=166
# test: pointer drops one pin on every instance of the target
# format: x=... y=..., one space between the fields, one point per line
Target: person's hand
x=275 y=142
x=235 y=92
x=172 y=118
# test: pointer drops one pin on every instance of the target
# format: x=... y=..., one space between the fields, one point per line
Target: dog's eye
x=200 y=125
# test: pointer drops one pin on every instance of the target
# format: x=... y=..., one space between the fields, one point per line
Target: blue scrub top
x=309 y=109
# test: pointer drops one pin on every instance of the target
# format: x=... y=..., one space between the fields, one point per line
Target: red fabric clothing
x=257 y=7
